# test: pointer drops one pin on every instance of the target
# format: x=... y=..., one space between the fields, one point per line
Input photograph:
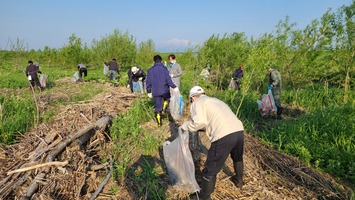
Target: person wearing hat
x=158 y=86
x=31 y=73
x=175 y=70
x=135 y=74
x=226 y=133
x=275 y=87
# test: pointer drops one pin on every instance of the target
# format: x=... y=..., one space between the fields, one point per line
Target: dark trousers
x=159 y=101
x=232 y=144
x=35 y=81
x=83 y=71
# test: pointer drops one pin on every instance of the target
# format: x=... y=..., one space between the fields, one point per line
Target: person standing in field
x=31 y=73
x=175 y=70
x=82 y=70
x=226 y=133
x=275 y=86
x=113 y=68
x=237 y=77
x=158 y=86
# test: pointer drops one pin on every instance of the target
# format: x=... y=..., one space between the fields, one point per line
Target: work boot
x=207 y=187
x=158 y=117
x=279 y=110
x=237 y=179
x=165 y=106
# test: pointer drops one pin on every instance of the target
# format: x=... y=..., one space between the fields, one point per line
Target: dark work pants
x=83 y=71
x=217 y=155
x=159 y=101
x=35 y=81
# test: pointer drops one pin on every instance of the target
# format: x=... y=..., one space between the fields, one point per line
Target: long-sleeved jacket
x=176 y=72
x=158 y=80
x=32 y=70
x=112 y=65
x=81 y=66
x=238 y=74
x=214 y=116
x=134 y=77
x=275 y=78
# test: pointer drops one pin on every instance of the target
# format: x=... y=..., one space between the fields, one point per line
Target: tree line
x=323 y=52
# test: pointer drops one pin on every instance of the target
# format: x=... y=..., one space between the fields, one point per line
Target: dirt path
x=268 y=173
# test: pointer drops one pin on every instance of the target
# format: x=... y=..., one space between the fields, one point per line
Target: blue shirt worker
x=158 y=86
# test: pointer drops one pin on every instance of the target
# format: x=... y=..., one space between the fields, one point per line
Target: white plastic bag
x=75 y=77
x=105 y=69
x=267 y=104
x=176 y=105
x=42 y=80
x=178 y=160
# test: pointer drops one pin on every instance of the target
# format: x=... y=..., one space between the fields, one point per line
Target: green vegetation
x=17 y=116
x=316 y=64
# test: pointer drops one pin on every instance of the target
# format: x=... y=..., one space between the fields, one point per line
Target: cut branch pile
x=63 y=158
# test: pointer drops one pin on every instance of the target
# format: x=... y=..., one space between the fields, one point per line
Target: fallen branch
x=101 y=186
x=102 y=122
x=38 y=166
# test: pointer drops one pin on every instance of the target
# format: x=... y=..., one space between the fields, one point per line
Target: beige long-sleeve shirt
x=214 y=116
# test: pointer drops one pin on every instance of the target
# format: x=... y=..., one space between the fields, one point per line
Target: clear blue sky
x=172 y=25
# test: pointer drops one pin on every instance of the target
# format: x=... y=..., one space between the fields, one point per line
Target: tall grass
x=17 y=115
x=132 y=140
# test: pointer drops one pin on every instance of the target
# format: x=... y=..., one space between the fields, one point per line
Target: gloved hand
x=184 y=126
x=128 y=86
x=141 y=78
x=150 y=95
x=171 y=75
x=270 y=87
x=176 y=89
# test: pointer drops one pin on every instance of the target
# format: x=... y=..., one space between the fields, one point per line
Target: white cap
x=196 y=90
x=134 y=69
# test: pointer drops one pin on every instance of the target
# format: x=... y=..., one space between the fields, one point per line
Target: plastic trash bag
x=138 y=87
x=267 y=104
x=178 y=160
x=105 y=70
x=232 y=85
x=176 y=105
x=42 y=80
x=75 y=77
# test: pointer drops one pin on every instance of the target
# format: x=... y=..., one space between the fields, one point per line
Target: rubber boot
x=279 y=112
x=238 y=178
x=165 y=106
x=207 y=187
x=158 y=117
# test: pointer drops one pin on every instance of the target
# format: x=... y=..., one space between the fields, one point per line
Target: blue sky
x=172 y=25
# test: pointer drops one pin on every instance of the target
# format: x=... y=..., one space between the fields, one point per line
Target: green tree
x=118 y=45
x=145 y=54
x=72 y=52
x=344 y=48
